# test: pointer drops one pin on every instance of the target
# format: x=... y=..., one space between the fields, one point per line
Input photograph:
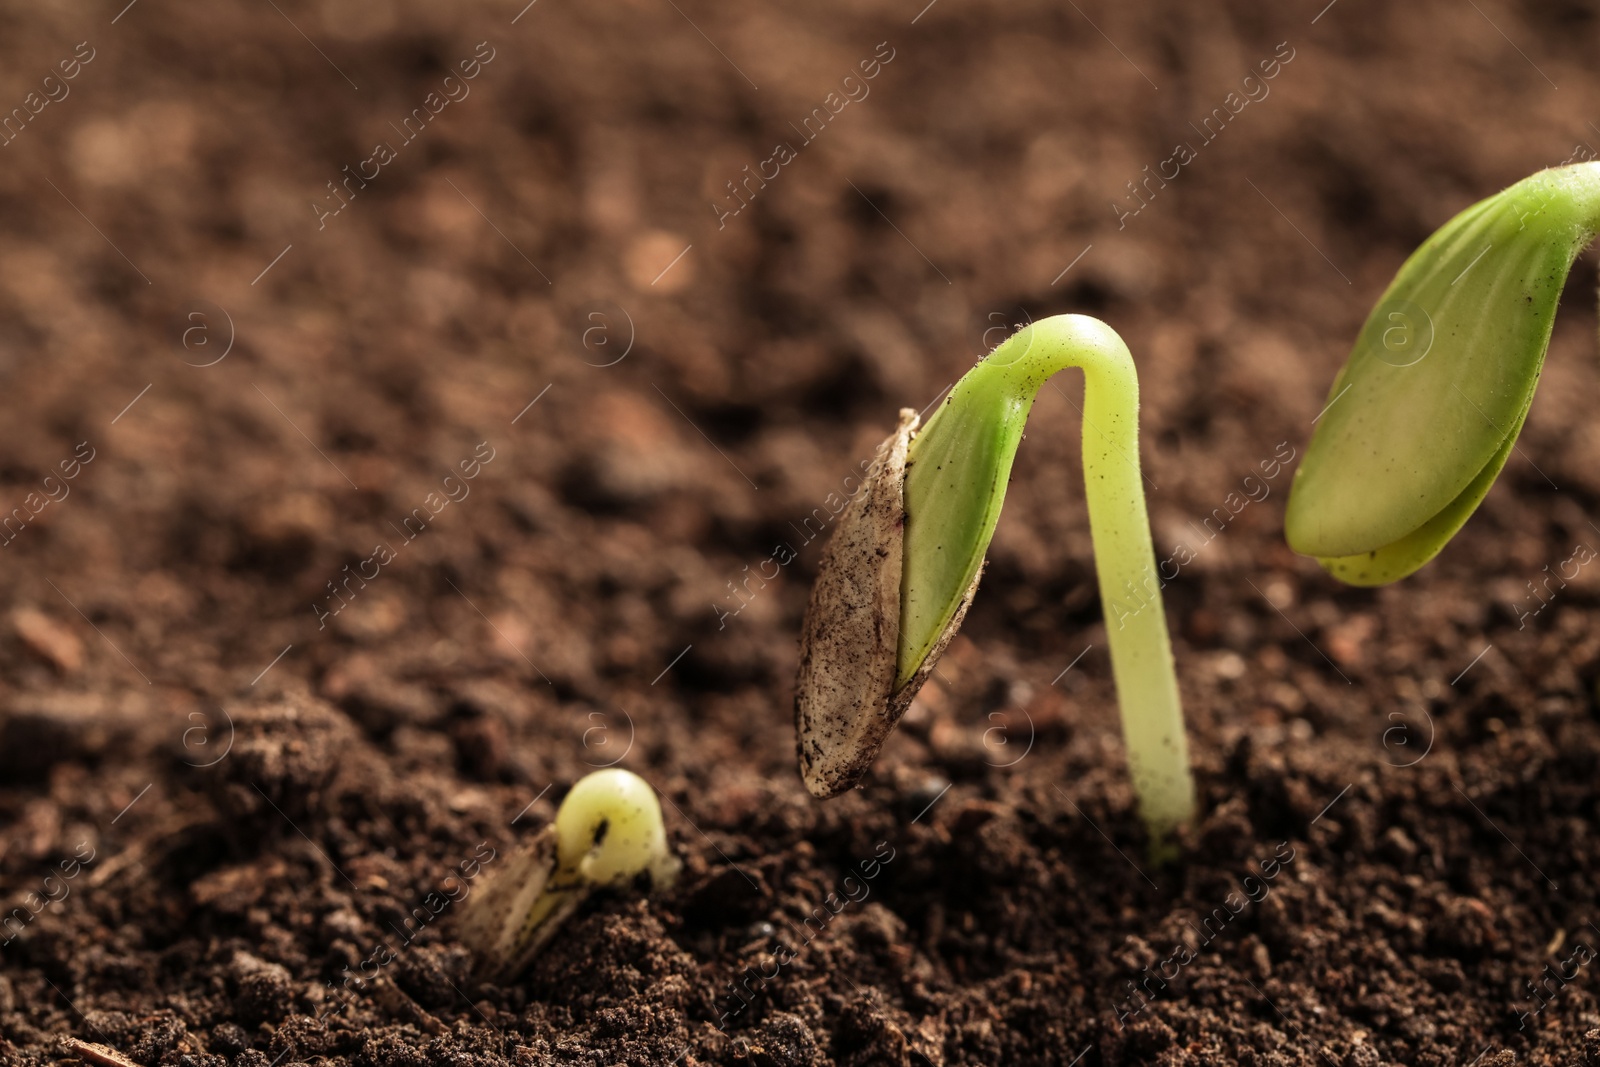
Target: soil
x=531 y=378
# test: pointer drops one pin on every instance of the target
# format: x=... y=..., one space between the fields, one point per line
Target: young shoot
x=895 y=580
x=1428 y=406
x=606 y=832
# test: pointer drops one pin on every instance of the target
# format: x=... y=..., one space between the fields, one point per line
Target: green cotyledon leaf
x=1428 y=406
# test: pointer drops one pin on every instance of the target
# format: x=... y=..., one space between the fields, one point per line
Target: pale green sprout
x=905 y=561
x=609 y=830
x=606 y=832
x=1427 y=408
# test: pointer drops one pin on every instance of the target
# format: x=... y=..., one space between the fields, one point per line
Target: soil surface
x=406 y=417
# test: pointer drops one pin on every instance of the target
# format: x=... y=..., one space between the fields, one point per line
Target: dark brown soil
x=222 y=799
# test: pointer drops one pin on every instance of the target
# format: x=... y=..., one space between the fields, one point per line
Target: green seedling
x=607 y=832
x=895 y=580
x=1428 y=406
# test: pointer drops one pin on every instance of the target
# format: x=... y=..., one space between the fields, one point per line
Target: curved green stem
x=958 y=467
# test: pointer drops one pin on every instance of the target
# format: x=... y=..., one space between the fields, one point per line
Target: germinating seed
x=606 y=832
x=905 y=560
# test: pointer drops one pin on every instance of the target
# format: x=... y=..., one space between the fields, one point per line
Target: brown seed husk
x=497 y=921
x=845 y=702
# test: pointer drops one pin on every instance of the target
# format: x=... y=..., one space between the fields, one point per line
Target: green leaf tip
x=908 y=553
x=1428 y=406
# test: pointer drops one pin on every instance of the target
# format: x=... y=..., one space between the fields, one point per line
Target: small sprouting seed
x=609 y=830
x=908 y=551
x=1428 y=407
x=606 y=832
